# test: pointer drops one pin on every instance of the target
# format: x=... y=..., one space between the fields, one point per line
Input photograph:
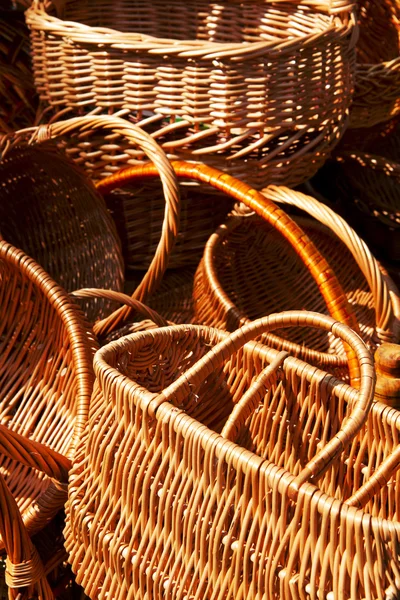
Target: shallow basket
x=376 y=96
x=258 y=89
x=195 y=468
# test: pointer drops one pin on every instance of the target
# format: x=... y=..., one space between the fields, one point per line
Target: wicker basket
x=258 y=89
x=330 y=291
x=376 y=96
x=46 y=380
x=197 y=456
x=118 y=143
x=51 y=211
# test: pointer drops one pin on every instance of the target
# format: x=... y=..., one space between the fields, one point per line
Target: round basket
x=49 y=209
x=46 y=380
x=199 y=453
x=258 y=89
x=117 y=143
x=376 y=96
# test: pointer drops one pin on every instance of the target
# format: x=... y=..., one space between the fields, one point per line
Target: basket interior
x=201 y=20
x=379 y=39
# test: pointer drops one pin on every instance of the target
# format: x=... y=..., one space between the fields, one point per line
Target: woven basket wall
x=258 y=89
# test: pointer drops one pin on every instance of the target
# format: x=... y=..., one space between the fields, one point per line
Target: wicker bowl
x=258 y=89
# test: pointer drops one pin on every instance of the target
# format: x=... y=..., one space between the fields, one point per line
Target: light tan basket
x=258 y=89
x=194 y=470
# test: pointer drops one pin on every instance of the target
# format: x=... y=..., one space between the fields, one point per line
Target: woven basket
x=197 y=456
x=46 y=380
x=258 y=89
x=50 y=210
x=330 y=291
x=376 y=96
x=118 y=143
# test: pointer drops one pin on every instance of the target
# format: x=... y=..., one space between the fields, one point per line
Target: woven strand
x=24 y=574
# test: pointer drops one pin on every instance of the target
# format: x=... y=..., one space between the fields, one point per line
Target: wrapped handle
x=193 y=377
x=386 y=302
x=320 y=270
x=85 y=126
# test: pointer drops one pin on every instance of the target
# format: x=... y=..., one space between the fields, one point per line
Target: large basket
x=46 y=380
x=376 y=96
x=117 y=143
x=195 y=468
x=258 y=89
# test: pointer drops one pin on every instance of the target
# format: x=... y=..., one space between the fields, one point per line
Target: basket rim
x=38 y=19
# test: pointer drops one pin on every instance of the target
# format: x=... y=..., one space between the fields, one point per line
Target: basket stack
x=200 y=364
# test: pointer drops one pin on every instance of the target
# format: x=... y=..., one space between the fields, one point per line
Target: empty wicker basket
x=259 y=89
x=194 y=470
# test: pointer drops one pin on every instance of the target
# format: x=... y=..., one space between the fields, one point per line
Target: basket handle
x=320 y=270
x=142 y=309
x=251 y=398
x=24 y=568
x=137 y=137
x=193 y=377
x=385 y=303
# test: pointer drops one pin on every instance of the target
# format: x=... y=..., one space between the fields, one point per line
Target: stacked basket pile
x=221 y=430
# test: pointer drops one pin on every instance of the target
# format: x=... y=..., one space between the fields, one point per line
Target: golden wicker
x=376 y=96
x=49 y=209
x=195 y=470
x=117 y=143
x=326 y=285
x=258 y=89
x=46 y=380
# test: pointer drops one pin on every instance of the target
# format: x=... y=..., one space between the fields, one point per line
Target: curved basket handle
x=251 y=398
x=137 y=137
x=142 y=309
x=193 y=377
x=387 y=311
x=320 y=270
x=25 y=574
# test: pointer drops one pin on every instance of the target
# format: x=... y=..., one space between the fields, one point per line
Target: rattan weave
x=49 y=209
x=46 y=380
x=326 y=284
x=194 y=470
x=258 y=89
x=117 y=143
x=376 y=96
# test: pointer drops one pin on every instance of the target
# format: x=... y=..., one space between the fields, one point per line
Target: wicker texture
x=258 y=89
x=50 y=210
x=320 y=271
x=194 y=467
x=19 y=102
x=118 y=142
x=46 y=381
x=376 y=96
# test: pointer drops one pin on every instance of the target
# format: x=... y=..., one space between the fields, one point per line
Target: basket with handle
x=118 y=143
x=376 y=96
x=46 y=381
x=196 y=459
x=259 y=89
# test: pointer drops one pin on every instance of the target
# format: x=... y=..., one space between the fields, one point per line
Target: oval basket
x=258 y=89
x=376 y=96
x=198 y=457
